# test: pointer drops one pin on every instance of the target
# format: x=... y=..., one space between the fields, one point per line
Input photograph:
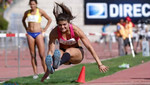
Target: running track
x=137 y=76
x=11 y=69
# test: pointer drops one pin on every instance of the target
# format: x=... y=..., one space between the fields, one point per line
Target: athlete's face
x=63 y=25
x=33 y=5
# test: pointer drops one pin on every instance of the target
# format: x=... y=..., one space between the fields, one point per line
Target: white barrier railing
x=13 y=46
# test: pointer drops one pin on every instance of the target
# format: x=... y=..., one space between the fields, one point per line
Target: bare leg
x=45 y=75
x=41 y=48
x=76 y=55
x=34 y=64
x=31 y=43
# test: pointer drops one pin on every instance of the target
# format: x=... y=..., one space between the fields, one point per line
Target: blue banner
x=111 y=11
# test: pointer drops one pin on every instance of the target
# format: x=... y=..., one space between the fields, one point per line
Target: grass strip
x=69 y=75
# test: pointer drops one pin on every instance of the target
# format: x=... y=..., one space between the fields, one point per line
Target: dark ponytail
x=62 y=12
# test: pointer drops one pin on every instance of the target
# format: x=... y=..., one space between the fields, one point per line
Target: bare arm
x=88 y=45
x=23 y=20
x=48 y=18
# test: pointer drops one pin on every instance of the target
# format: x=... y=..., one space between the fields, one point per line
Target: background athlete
x=69 y=36
x=34 y=33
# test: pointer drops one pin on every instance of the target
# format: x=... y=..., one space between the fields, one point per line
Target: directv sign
x=106 y=11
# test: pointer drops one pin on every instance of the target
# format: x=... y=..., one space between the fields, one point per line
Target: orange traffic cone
x=81 y=78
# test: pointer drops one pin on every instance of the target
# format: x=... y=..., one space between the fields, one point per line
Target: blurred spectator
x=142 y=30
x=7 y=3
x=104 y=34
x=128 y=29
x=122 y=22
x=1 y=1
x=121 y=36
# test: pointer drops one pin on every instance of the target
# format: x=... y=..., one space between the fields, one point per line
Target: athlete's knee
x=33 y=55
x=42 y=59
x=42 y=54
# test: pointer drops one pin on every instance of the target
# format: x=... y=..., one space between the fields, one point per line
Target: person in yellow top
x=121 y=36
x=128 y=31
x=121 y=31
x=128 y=27
x=34 y=34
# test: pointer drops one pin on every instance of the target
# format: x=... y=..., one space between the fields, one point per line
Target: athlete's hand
x=103 y=68
x=43 y=31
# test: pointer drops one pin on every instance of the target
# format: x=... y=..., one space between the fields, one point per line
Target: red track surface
x=10 y=68
x=138 y=75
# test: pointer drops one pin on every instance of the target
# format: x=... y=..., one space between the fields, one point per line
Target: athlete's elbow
x=49 y=20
